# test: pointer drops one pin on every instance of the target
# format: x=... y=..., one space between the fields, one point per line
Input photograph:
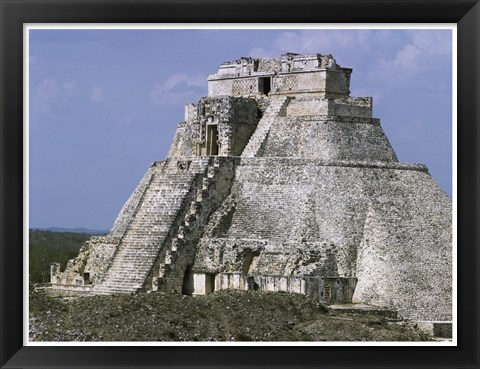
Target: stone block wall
x=102 y=250
x=353 y=107
x=387 y=224
x=405 y=256
x=301 y=201
x=312 y=74
x=345 y=107
x=220 y=87
x=267 y=65
x=232 y=118
x=91 y=263
x=183 y=144
x=309 y=106
x=328 y=138
x=265 y=257
x=338 y=82
x=313 y=83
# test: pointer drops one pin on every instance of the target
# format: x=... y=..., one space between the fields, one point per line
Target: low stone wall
x=327 y=290
x=60 y=290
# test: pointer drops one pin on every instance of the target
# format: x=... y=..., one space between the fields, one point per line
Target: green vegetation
x=221 y=316
x=46 y=247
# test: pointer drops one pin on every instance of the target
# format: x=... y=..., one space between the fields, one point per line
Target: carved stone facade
x=313 y=75
x=280 y=181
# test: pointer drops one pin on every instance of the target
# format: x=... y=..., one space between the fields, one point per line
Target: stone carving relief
x=244 y=86
x=284 y=83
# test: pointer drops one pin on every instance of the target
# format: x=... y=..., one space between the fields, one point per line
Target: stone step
x=130 y=270
x=138 y=250
x=119 y=285
x=123 y=286
x=131 y=255
x=130 y=266
x=162 y=202
x=110 y=291
x=127 y=277
x=136 y=267
x=132 y=263
x=140 y=253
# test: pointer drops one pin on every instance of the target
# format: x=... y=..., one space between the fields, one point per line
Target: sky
x=104 y=104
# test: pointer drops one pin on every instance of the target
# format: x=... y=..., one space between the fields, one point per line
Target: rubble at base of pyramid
x=279 y=180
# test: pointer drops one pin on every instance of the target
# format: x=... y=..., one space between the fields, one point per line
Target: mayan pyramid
x=279 y=180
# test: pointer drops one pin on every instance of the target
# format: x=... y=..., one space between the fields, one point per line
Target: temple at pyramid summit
x=279 y=180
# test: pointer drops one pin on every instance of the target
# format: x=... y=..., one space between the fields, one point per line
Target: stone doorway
x=264 y=85
x=252 y=285
x=209 y=283
x=187 y=285
x=86 y=278
x=212 y=139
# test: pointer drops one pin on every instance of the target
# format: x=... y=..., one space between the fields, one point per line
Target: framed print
x=317 y=204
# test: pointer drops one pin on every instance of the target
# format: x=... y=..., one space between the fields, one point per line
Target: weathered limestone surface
x=313 y=75
x=377 y=223
x=328 y=138
x=405 y=255
x=216 y=126
x=279 y=180
x=92 y=261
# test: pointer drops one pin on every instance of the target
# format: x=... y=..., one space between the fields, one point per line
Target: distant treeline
x=47 y=247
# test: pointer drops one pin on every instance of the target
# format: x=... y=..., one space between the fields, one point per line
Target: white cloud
x=260 y=52
x=417 y=55
x=314 y=41
x=178 y=88
x=48 y=93
x=97 y=95
x=433 y=42
x=407 y=57
x=43 y=96
x=384 y=54
x=69 y=87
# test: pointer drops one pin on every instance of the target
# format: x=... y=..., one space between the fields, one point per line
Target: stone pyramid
x=279 y=180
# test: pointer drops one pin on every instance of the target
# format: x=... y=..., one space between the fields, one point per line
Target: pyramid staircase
x=170 y=273
x=276 y=108
x=149 y=228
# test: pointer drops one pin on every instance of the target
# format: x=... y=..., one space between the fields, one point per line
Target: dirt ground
x=221 y=316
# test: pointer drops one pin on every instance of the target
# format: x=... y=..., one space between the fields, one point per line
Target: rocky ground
x=222 y=316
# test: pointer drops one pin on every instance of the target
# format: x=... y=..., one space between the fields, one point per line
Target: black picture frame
x=14 y=13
